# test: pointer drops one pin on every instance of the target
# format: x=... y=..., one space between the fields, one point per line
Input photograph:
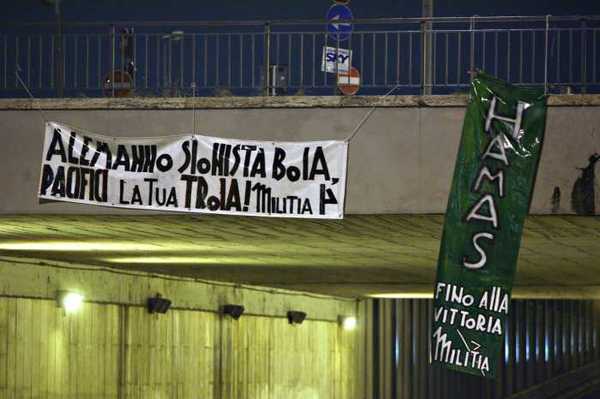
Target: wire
x=368 y=115
x=39 y=108
x=348 y=139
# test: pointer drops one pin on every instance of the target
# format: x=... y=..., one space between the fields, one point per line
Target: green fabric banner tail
x=491 y=191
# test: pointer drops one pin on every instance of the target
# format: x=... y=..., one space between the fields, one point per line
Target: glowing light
x=70 y=301
x=160 y=246
x=348 y=323
x=403 y=295
x=170 y=259
x=224 y=259
x=506 y=345
x=76 y=246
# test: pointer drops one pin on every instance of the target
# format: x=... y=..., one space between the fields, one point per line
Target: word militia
x=485 y=209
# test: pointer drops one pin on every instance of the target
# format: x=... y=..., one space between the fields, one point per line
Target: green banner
x=491 y=190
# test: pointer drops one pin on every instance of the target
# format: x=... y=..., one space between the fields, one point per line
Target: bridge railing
x=192 y=58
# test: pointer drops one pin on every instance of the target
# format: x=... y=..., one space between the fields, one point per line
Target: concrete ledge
x=154 y=103
x=41 y=280
x=570 y=100
x=232 y=102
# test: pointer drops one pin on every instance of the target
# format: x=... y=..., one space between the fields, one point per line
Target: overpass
x=377 y=263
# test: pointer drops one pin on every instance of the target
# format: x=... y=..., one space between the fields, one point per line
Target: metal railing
x=415 y=55
x=543 y=340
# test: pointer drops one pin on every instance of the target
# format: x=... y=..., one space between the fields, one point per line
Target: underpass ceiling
x=360 y=255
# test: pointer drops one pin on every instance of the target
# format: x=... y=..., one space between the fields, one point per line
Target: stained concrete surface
x=357 y=256
x=401 y=162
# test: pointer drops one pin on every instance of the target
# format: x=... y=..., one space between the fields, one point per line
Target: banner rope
x=368 y=115
x=39 y=108
x=356 y=130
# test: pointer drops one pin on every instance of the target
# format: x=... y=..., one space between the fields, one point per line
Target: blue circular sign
x=340 y=22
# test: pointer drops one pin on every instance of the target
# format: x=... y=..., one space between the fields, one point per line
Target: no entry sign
x=349 y=82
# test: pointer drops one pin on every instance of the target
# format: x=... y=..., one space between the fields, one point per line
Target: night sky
x=110 y=10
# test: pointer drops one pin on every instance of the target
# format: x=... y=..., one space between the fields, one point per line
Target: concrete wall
x=113 y=348
x=400 y=162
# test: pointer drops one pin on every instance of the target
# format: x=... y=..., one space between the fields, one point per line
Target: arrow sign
x=339 y=26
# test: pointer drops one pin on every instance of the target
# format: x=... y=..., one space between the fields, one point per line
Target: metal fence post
x=426 y=58
x=60 y=66
x=427 y=45
x=193 y=86
x=267 y=58
x=546 y=50
x=114 y=56
x=472 y=54
x=583 y=55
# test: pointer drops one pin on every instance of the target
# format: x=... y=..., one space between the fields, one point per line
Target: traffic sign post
x=340 y=22
x=349 y=82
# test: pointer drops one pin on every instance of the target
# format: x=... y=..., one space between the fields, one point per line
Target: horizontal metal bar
x=367 y=31
x=284 y=22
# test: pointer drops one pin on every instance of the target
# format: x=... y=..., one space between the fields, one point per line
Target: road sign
x=349 y=82
x=340 y=22
x=333 y=56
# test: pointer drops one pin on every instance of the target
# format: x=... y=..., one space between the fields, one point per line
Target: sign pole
x=267 y=58
x=337 y=60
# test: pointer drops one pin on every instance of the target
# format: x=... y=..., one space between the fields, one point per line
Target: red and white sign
x=349 y=82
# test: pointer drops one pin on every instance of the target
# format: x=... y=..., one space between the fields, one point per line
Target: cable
x=29 y=93
x=368 y=115
x=348 y=139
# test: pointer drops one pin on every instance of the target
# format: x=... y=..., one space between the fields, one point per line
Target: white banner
x=193 y=173
x=329 y=60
